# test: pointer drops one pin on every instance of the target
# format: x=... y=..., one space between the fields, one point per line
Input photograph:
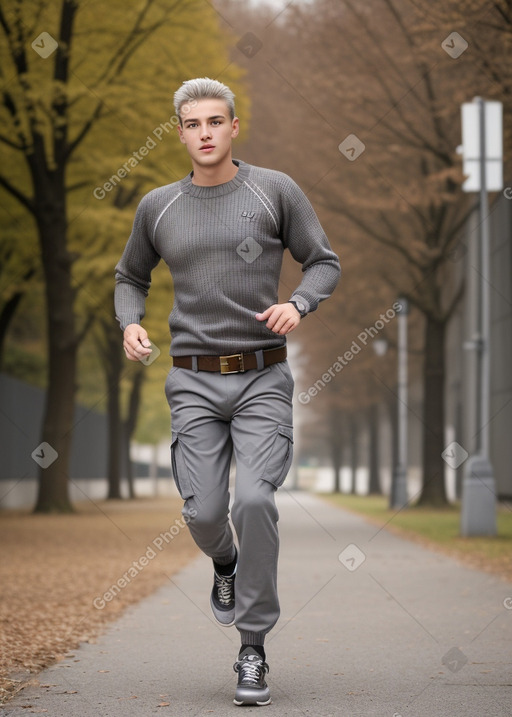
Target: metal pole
x=478 y=512
x=399 y=487
x=485 y=368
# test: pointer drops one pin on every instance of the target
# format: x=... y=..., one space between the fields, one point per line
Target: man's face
x=207 y=131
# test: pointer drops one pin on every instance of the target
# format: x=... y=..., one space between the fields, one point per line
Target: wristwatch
x=301 y=308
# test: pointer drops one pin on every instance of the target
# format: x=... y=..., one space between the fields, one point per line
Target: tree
x=129 y=425
x=61 y=89
x=378 y=70
x=399 y=92
x=19 y=265
x=291 y=133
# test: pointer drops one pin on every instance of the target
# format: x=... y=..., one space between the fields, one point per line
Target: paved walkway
x=390 y=629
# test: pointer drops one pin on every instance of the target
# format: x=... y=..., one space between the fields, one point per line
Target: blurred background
x=361 y=104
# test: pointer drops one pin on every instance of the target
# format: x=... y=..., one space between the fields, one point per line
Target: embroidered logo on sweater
x=248 y=215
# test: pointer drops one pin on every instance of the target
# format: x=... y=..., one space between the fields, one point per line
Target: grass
x=439 y=529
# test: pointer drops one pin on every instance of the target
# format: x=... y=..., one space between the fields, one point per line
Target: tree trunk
x=126 y=461
x=374 y=458
x=354 y=457
x=6 y=316
x=336 y=446
x=129 y=425
x=57 y=428
x=114 y=370
x=336 y=455
x=392 y=408
x=433 y=492
x=8 y=312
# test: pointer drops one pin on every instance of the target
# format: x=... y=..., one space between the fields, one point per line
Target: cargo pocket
x=280 y=459
x=180 y=471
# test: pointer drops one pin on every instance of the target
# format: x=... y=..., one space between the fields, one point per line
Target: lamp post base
x=478 y=510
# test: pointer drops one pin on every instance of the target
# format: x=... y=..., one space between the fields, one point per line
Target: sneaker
x=222 y=599
x=251 y=688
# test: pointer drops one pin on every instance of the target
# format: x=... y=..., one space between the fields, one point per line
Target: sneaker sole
x=250 y=696
x=240 y=703
x=219 y=622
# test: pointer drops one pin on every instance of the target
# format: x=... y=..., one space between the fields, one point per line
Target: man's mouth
x=206 y=147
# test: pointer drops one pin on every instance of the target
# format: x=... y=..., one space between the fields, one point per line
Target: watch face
x=301 y=307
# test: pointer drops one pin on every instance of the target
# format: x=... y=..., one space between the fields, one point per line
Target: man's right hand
x=136 y=342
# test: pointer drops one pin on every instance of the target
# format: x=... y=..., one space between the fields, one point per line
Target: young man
x=222 y=231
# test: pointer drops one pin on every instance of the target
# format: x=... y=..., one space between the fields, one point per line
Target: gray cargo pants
x=249 y=415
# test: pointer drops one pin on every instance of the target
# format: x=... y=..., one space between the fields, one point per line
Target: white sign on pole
x=471 y=151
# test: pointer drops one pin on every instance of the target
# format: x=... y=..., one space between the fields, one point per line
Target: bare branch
x=10 y=143
x=86 y=327
x=424 y=71
x=86 y=128
x=452 y=233
x=116 y=65
x=368 y=229
x=77 y=185
x=17 y=194
x=19 y=59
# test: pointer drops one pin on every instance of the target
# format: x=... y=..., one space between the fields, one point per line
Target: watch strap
x=302 y=313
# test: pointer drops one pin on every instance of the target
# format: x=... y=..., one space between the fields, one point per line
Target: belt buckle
x=224 y=363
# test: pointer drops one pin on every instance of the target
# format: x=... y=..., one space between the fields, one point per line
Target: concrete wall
x=21 y=411
x=461 y=385
x=501 y=339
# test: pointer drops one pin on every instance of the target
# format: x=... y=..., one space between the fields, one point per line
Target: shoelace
x=224 y=589
x=250 y=670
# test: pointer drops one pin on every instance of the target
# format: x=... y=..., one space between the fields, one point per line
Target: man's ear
x=235 y=128
x=180 y=133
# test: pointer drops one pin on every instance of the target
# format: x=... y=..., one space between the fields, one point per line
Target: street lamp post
x=398 y=494
x=482 y=132
x=399 y=481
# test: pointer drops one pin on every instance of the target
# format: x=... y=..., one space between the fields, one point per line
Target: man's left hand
x=281 y=318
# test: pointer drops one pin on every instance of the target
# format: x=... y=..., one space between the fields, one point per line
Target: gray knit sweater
x=224 y=246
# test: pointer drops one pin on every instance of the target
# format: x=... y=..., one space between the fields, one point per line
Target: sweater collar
x=218 y=190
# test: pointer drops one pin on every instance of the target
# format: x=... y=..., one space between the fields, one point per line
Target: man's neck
x=212 y=176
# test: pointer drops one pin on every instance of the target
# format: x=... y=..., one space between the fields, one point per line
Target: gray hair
x=203 y=88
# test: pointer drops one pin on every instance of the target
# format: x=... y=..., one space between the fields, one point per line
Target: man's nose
x=205 y=132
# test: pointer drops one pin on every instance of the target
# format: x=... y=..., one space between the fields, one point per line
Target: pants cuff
x=226 y=558
x=252 y=638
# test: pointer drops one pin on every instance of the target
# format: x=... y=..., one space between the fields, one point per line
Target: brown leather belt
x=235 y=363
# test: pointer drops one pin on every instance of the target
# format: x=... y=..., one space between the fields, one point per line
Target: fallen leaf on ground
x=41 y=628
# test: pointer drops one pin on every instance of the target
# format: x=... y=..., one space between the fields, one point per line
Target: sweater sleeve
x=302 y=233
x=133 y=272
